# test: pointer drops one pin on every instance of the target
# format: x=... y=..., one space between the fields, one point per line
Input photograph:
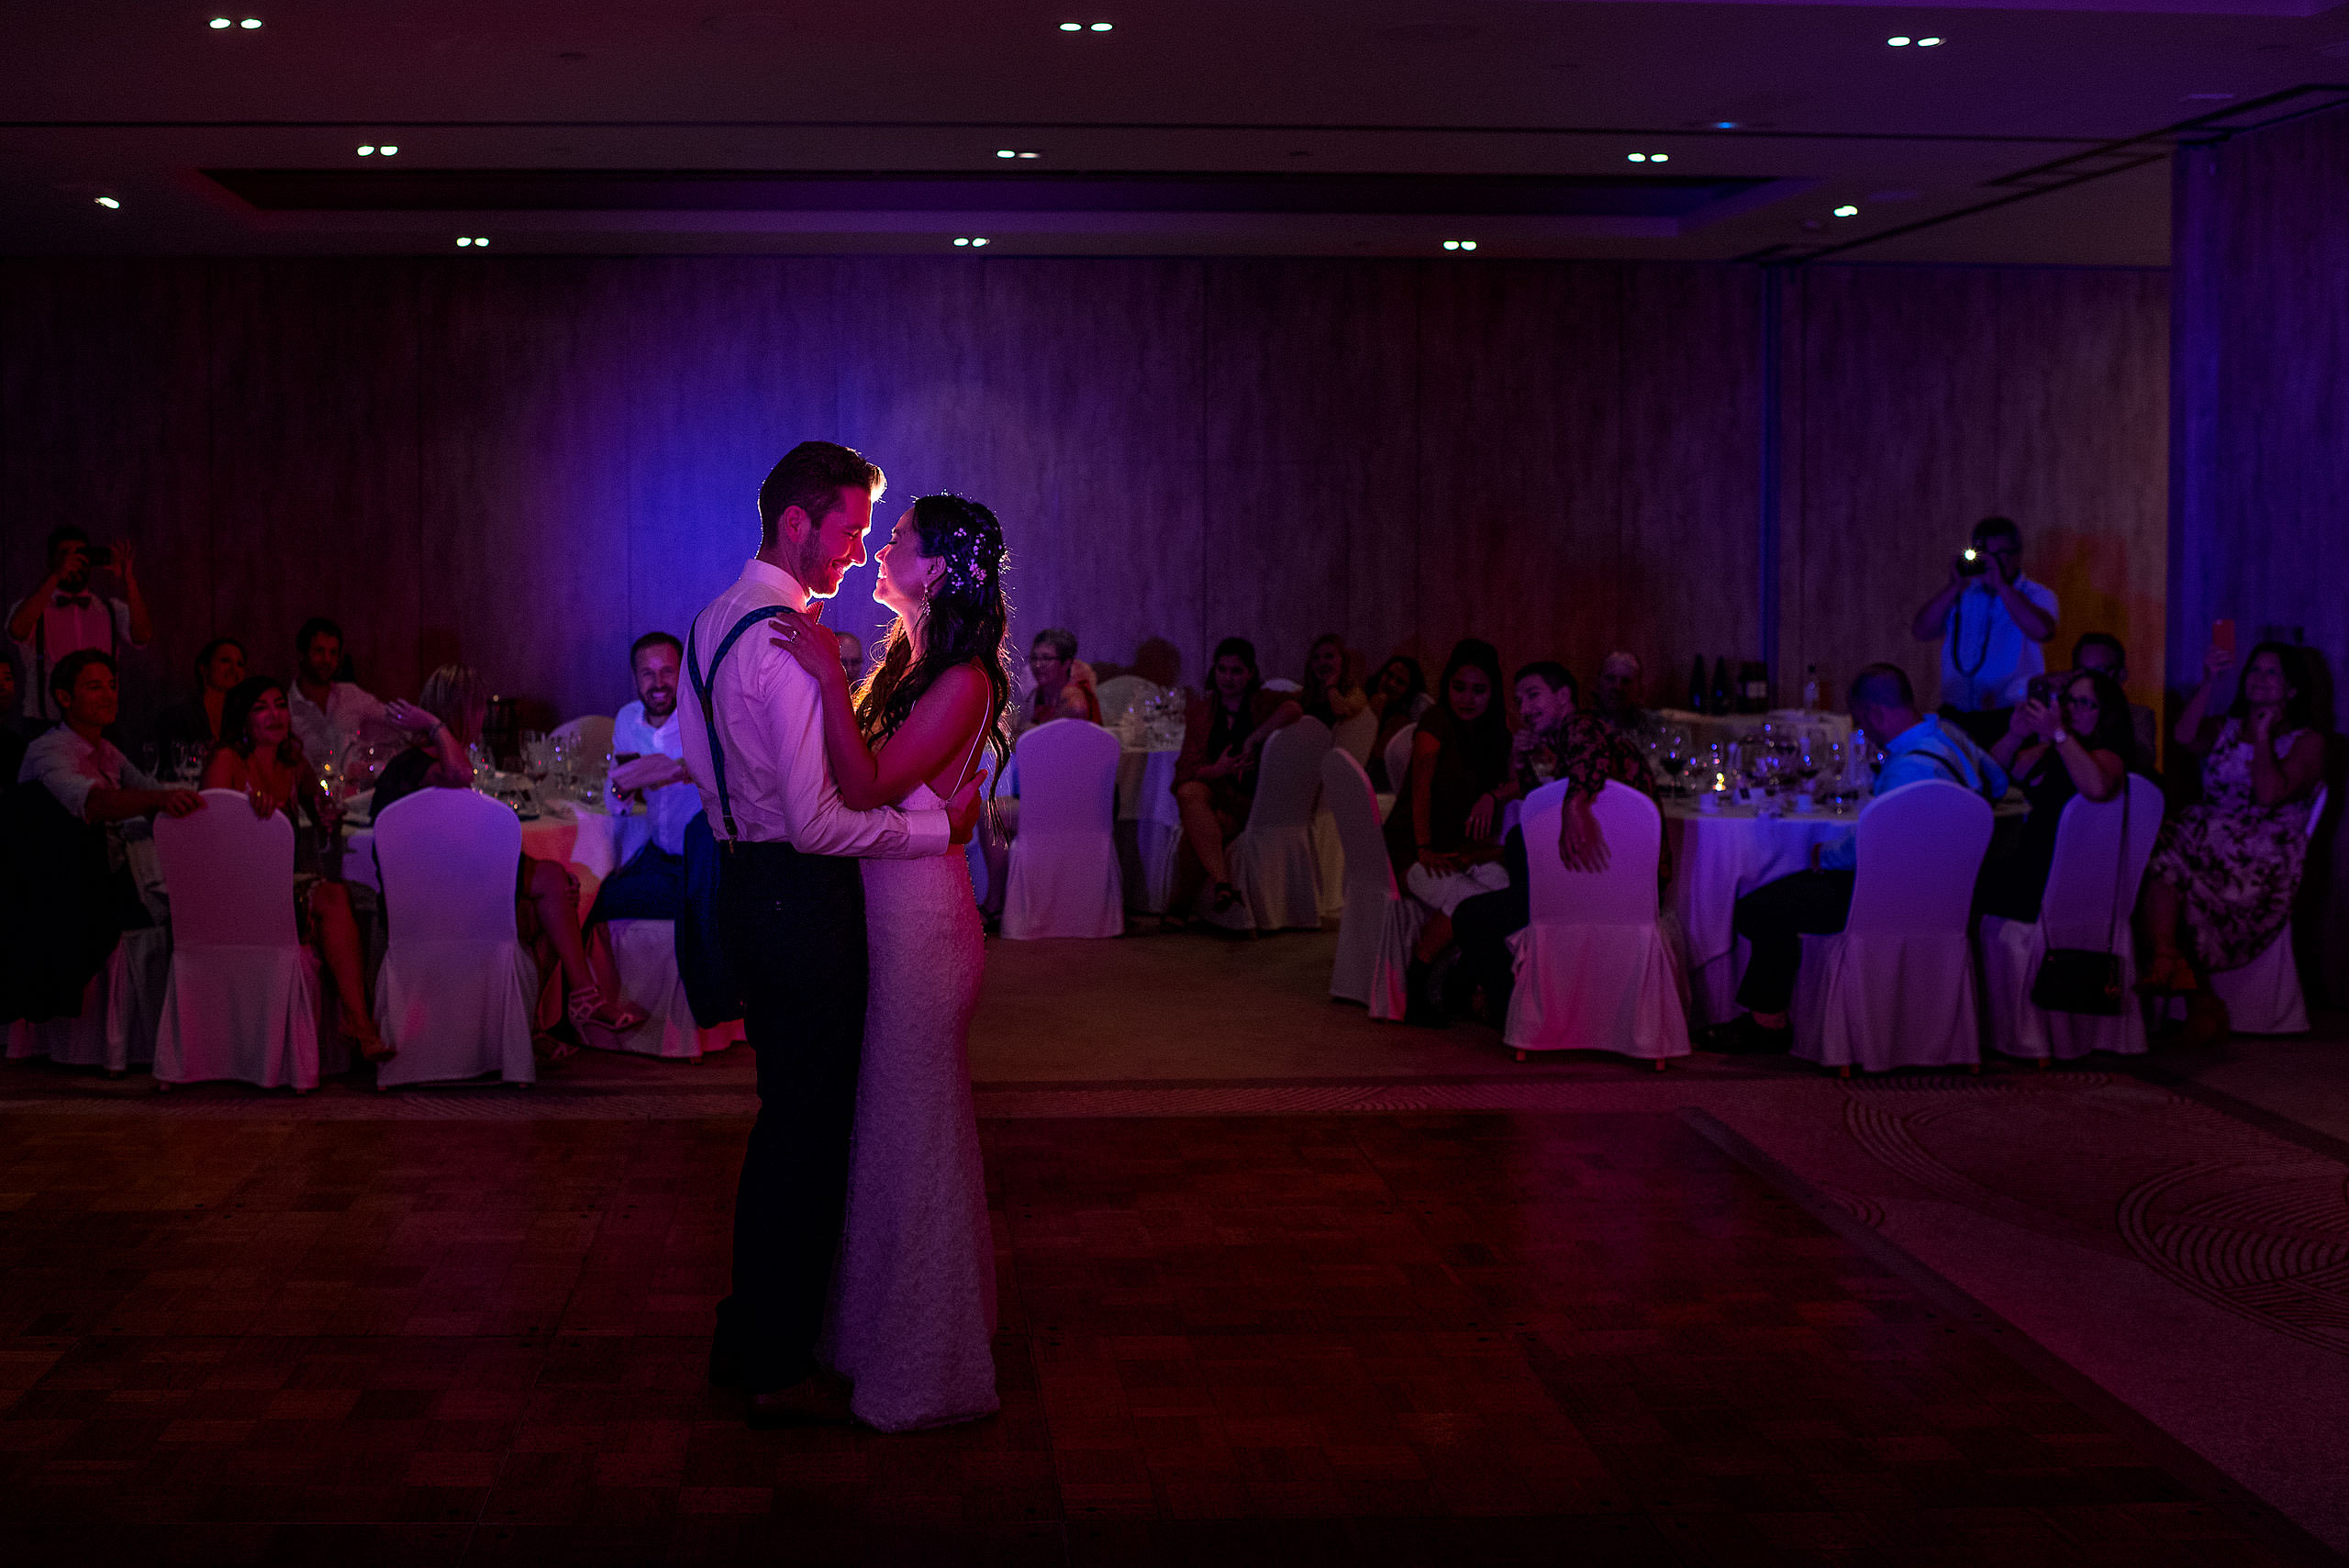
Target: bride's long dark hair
x=965 y=622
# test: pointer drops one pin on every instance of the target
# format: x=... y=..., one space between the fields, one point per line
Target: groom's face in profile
x=829 y=545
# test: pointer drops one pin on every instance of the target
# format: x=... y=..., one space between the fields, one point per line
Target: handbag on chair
x=2085 y=980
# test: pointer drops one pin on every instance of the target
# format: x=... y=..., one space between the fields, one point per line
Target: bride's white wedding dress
x=914 y=1299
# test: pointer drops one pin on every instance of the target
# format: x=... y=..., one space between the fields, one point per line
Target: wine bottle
x=1811 y=689
x=1697 y=685
x=1718 y=702
x=1753 y=686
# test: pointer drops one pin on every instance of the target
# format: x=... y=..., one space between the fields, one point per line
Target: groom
x=791 y=917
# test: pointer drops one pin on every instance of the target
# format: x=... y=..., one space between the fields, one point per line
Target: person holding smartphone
x=1990 y=620
x=62 y=616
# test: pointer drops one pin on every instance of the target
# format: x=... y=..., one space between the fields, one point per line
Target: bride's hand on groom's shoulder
x=815 y=650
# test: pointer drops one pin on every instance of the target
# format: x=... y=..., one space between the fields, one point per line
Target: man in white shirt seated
x=1991 y=620
x=650 y=793
x=64 y=615
x=330 y=714
x=66 y=894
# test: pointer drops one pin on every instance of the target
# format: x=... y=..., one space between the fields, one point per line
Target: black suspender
x=704 y=684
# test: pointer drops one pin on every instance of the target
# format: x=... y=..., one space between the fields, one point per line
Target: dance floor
x=1414 y=1317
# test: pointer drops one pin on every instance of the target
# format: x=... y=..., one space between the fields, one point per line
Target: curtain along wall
x=524 y=463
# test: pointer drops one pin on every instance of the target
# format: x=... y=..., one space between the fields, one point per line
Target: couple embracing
x=864 y=1269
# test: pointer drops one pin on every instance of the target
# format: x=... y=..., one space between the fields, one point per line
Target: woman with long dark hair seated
x=219 y=669
x=2227 y=868
x=1215 y=778
x=2083 y=742
x=1398 y=694
x=259 y=755
x=441 y=724
x=1460 y=754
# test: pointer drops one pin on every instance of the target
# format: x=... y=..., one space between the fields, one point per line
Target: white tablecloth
x=580 y=835
x=1146 y=799
x=1717 y=861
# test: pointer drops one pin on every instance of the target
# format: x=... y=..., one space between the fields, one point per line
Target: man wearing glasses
x=1991 y=620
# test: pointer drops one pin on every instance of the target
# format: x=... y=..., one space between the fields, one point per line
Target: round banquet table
x=1148 y=816
x=1716 y=860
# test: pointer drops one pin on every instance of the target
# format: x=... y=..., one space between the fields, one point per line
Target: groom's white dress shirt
x=770 y=722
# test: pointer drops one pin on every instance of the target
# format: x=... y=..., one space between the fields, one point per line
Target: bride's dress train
x=914 y=1299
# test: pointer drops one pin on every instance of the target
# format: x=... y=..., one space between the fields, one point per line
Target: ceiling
x=1366 y=128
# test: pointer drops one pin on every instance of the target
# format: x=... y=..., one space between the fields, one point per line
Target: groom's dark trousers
x=792 y=927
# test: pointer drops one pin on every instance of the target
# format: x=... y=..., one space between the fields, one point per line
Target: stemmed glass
x=1672 y=756
x=537 y=761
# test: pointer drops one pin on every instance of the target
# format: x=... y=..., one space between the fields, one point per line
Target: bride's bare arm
x=933 y=735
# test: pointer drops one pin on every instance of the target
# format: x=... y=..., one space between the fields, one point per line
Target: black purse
x=2083 y=979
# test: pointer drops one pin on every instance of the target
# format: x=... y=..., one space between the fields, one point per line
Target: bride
x=913 y=1310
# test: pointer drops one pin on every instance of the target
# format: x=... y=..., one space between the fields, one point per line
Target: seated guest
x=440 y=724
x=1331 y=694
x=1776 y=916
x=1622 y=691
x=259 y=755
x=2101 y=651
x=1459 y=757
x=1553 y=741
x=66 y=894
x=64 y=614
x=12 y=739
x=219 y=670
x=851 y=656
x=1063 y=688
x=2078 y=744
x=1398 y=694
x=2228 y=867
x=1215 y=778
x=329 y=712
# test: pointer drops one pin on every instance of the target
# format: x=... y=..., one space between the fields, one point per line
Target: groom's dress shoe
x=819 y=1399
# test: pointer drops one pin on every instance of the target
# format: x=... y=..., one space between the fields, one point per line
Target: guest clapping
x=66 y=614
x=2077 y=740
x=1460 y=755
x=259 y=755
x=1990 y=620
x=219 y=670
x=440 y=724
x=2226 y=868
x=1215 y=777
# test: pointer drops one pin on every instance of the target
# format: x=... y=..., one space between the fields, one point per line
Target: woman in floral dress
x=2226 y=868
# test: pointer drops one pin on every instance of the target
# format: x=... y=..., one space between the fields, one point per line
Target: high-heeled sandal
x=2168 y=974
x=371 y=1046
x=586 y=1006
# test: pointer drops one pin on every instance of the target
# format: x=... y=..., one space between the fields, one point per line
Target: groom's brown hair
x=811 y=477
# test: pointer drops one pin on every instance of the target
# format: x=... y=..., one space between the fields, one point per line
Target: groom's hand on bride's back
x=963 y=811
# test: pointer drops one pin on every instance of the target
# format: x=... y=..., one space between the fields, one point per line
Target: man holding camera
x=1990 y=619
x=62 y=616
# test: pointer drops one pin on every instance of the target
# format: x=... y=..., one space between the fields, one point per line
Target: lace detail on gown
x=914 y=1299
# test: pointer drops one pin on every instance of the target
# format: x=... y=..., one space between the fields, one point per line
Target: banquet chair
x=1063 y=879
x=1398 y=757
x=453 y=998
x=2264 y=996
x=591 y=730
x=1594 y=971
x=1895 y=987
x=1273 y=863
x=1376 y=935
x=2091 y=894
x=242 y=1000
x=122 y=1007
x=1119 y=693
x=1356 y=736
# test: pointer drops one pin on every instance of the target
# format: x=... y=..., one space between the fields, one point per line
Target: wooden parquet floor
x=1476 y=1337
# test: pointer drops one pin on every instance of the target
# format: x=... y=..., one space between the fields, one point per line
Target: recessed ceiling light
x=220 y=22
x=388 y=150
x=477 y=240
x=1724 y=125
x=367 y=150
x=1659 y=157
x=463 y=241
x=1460 y=244
x=250 y=23
x=1072 y=26
x=1100 y=27
x=1847 y=210
x=1927 y=43
x=978 y=240
x=1005 y=152
x=1900 y=40
x=962 y=240
x=109 y=203
x=1648 y=156
x=1636 y=157
x=1032 y=155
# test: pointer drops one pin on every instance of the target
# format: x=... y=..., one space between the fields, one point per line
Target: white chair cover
x=243 y=997
x=1329 y=862
x=1379 y=925
x=2264 y=996
x=2077 y=912
x=122 y=1007
x=1119 y=695
x=1356 y=736
x=1398 y=757
x=1895 y=987
x=1594 y=971
x=1273 y=862
x=453 y=998
x=1064 y=879
x=591 y=730
x=645 y=953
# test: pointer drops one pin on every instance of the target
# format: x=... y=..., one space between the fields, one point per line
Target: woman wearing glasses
x=2080 y=743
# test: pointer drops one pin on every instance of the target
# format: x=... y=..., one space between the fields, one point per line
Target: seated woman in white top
x=259 y=755
x=66 y=894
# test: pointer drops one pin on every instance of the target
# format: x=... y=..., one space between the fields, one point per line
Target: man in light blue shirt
x=1990 y=620
x=1776 y=916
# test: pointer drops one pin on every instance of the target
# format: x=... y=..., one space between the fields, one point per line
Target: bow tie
x=79 y=600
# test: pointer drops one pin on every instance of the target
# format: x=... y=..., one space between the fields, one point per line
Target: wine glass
x=1672 y=756
x=537 y=761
